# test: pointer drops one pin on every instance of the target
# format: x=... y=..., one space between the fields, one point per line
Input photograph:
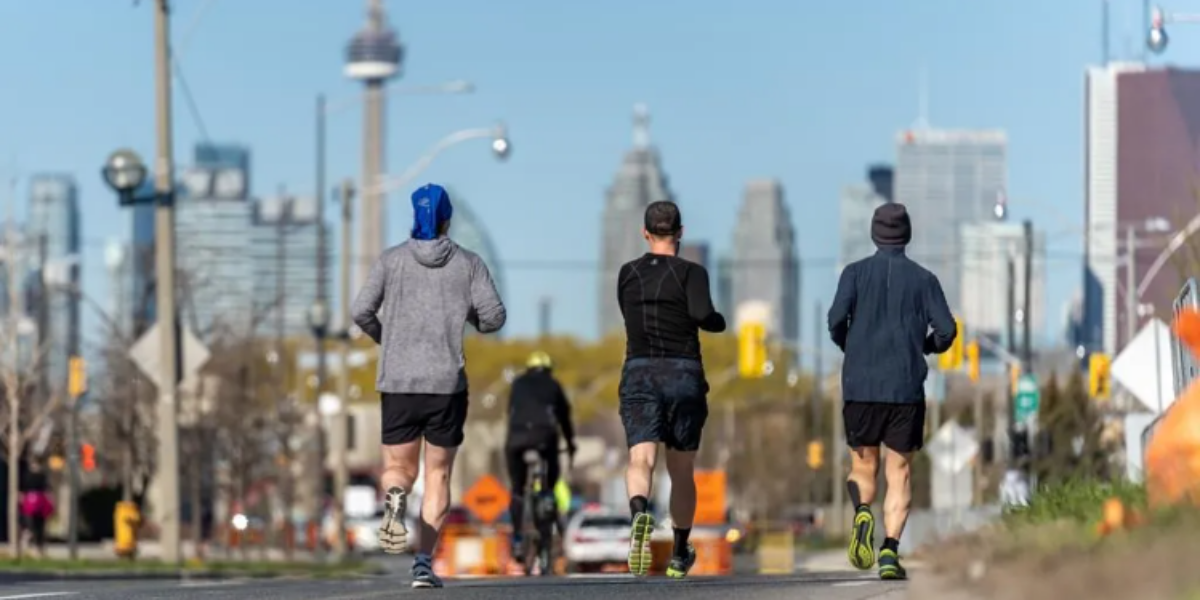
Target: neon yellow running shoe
x=862 y=554
x=640 y=556
x=679 y=567
x=889 y=565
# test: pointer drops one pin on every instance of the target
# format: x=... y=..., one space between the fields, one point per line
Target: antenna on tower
x=641 y=126
x=375 y=18
x=922 y=100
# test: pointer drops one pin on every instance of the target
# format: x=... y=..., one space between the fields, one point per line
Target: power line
x=190 y=101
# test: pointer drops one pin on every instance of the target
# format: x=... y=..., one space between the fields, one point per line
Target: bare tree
x=22 y=361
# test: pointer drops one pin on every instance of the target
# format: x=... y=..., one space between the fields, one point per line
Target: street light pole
x=338 y=434
x=1131 y=290
x=164 y=231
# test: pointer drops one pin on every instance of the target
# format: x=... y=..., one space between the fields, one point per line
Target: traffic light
x=87 y=454
x=973 y=361
x=816 y=454
x=1014 y=375
x=76 y=377
x=752 y=350
x=952 y=359
x=1099 y=376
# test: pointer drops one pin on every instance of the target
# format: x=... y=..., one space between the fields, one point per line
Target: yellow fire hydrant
x=126 y=522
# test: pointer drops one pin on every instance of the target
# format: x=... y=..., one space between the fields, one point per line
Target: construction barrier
x=777 y=553
x=714 y=554
x=470 y=550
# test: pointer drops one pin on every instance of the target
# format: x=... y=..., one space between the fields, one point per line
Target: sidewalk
x=152 y=550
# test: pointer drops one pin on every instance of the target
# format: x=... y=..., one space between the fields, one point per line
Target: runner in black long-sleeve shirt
x=666 y=302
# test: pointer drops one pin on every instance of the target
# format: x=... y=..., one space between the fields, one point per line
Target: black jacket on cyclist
x=537 y=411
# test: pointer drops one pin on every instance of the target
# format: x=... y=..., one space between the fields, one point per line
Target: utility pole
x=322 y=301
x=1011 y=326
x=1131 y=297
x=167 y=475
x=341 y=475
x=1027 y=301
x=284 y=413
x=544 y=306
x=817 y=395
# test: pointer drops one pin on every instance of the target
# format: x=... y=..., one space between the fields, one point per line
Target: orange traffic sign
x=487 y=499
x=710 y=497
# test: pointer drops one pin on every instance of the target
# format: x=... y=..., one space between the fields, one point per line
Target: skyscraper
x=639 y=182
x=214 y=231
x=986 y=250
x=1142 y=159
x=948 y=179
x=470 y=232
x=141 y=257
x=54 y=229
x=858 y=204
x=284 y=253
x=765 y=257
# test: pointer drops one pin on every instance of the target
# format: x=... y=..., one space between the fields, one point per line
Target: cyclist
x=537 y=412
x=663 y=393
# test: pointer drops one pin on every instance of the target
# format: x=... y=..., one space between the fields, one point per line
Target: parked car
x=597 y=539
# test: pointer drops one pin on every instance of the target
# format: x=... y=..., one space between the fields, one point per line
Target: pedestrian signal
x=952 y=359
x=816 y=454
x=973 y=361
x=752 y=351
x=1099 y=376
x=76 y=377
x=88 y=455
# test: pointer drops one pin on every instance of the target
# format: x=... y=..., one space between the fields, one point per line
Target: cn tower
x=373 y=57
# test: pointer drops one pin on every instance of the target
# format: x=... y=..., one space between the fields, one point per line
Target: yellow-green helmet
x=539 y=360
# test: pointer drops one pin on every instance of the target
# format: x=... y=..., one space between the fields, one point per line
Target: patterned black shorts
x=664 y=400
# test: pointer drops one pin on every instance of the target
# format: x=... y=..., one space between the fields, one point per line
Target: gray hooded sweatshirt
x=416 y=304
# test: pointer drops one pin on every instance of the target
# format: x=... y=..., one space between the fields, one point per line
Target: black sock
x=681 y=542
x=638 y=505
x=854 y=493
x=892 y=544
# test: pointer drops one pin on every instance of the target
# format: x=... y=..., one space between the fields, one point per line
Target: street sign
x=146 y=353
x=1028 y=399
x=953 y=447
x=487 y=499
x=1136 y=365
x=76 y=377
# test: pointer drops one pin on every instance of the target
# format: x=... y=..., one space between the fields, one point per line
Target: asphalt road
x=823 y=586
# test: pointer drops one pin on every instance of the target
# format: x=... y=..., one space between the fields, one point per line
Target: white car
x=596 y=539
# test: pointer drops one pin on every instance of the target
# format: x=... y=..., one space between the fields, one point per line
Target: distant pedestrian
x=416 y=304
x=888 y=315
x=36 y=507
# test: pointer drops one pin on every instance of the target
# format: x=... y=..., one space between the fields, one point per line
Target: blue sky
x=808 y=92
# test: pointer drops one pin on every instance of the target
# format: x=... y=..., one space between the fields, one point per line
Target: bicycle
x=541 y=517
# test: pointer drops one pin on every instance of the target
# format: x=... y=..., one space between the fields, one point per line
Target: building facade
x=857 y=207
x=987 y=249
x=284 y=250
x=639 y=181
x=948 y=179
x=696 y=252
x=53 y=230
x=1142 y=157
x=765 y=258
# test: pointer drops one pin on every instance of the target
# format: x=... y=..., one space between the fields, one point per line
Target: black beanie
x=890 y=226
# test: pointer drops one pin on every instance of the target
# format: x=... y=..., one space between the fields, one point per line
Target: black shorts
x=900 y=427
x=439 y=418
x=664 y=400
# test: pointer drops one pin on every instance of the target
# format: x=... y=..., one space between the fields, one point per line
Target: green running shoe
x=889 y=566
x=862 y=554
x=679 y=567
x=640 y=556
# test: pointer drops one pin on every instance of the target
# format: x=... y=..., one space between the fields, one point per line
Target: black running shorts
x=439 y=418
x=664 y=400
x=900 y=427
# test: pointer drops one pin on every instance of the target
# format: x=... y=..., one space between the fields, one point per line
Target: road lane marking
x=41 y=595
x=850 y=583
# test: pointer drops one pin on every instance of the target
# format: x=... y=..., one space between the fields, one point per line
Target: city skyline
x=567 y=129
